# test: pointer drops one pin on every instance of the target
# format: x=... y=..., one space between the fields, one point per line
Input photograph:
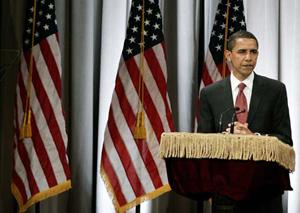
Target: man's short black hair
x=237 y=35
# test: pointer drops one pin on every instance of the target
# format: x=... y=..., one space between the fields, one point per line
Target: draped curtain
x=91 y=37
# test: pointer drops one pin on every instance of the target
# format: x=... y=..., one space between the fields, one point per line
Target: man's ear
x=227 y=54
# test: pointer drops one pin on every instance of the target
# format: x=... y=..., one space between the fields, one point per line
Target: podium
x=238 y=166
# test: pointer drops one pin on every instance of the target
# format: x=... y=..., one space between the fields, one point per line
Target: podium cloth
x=238 y=166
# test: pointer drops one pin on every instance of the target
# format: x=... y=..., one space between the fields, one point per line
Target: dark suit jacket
x=268 y=111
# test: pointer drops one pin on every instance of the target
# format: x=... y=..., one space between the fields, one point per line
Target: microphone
x=232 y=119
x=223 y=113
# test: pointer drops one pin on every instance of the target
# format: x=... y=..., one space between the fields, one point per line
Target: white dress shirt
x=247 y=90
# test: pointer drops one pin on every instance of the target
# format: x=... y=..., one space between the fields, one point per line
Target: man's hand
x=240 y=128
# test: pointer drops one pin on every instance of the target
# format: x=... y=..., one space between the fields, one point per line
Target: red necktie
x=241 y=102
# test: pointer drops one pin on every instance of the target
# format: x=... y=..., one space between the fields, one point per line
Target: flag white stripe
x=153 y=146
x=152 y=142
x=130 y=145
x=47 y=139
x=19 y=100
x=117 y=165
x=154 y=94
x=53 y=43
x=35 y=165
x=20 y=111
x=156 y=97
x=43 y=129
x=21 y=172
x=51 y=91
x=160 y=57
x=212 y=68
x=19 y=166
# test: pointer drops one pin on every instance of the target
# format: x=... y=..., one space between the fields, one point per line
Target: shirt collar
x=248 y=81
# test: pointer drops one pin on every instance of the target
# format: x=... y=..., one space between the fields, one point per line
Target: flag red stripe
x=22 y=150
x=164 y=49
x=26 y=162
x=206 y=77
x=149 y=106
x=57 y=37
x=168 y=107
x=160 y=80
x=124 y=104
x=142 y=145
x=42 y=154
x=50 y=118
x=124 y=156
x=51 y=65
x=15 y=177
x=157 y=72
x=149 y=163
x=113 y=178
x=20 y=143
x=39 y=146
x=20 y=186
x=220 y=69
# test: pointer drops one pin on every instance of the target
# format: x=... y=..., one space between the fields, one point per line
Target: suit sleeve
x=206 y=119
x=281 y=118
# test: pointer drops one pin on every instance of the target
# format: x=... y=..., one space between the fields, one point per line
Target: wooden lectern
x=238 y=166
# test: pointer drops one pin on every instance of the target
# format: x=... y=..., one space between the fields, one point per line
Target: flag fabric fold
x=229 y=19
x=40 y=166
x=139 y=113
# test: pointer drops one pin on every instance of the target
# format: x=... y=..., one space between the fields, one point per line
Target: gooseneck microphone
x=232 y=119
x=223 y=113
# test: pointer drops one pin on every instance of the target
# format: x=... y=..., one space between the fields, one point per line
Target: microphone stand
x=232 y=120
x=224 y=112
x=232 y=123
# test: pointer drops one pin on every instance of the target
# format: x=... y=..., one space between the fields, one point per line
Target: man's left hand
x=240 y=128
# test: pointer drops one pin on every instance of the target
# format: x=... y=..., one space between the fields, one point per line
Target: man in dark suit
x=258 y=104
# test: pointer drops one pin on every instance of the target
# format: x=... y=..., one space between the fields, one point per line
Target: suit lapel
x=256 y=97
x=227 y=94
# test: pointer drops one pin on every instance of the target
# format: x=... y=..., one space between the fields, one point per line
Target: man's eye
x=246 y=51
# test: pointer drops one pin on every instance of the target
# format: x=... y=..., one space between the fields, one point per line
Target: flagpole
x=138 y=209
x=37 y=207
x=225 y=39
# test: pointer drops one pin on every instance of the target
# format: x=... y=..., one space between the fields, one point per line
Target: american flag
x=41 y=167
x=131 y=167
x=214 y=69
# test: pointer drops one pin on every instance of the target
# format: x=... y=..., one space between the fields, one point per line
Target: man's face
x=243 y=57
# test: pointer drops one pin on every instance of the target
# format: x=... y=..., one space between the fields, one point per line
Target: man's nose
x=248 y=55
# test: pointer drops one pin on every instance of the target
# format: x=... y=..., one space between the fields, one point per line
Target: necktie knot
x=241 y=87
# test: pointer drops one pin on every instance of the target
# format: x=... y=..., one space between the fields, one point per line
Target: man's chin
x=247 y=71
